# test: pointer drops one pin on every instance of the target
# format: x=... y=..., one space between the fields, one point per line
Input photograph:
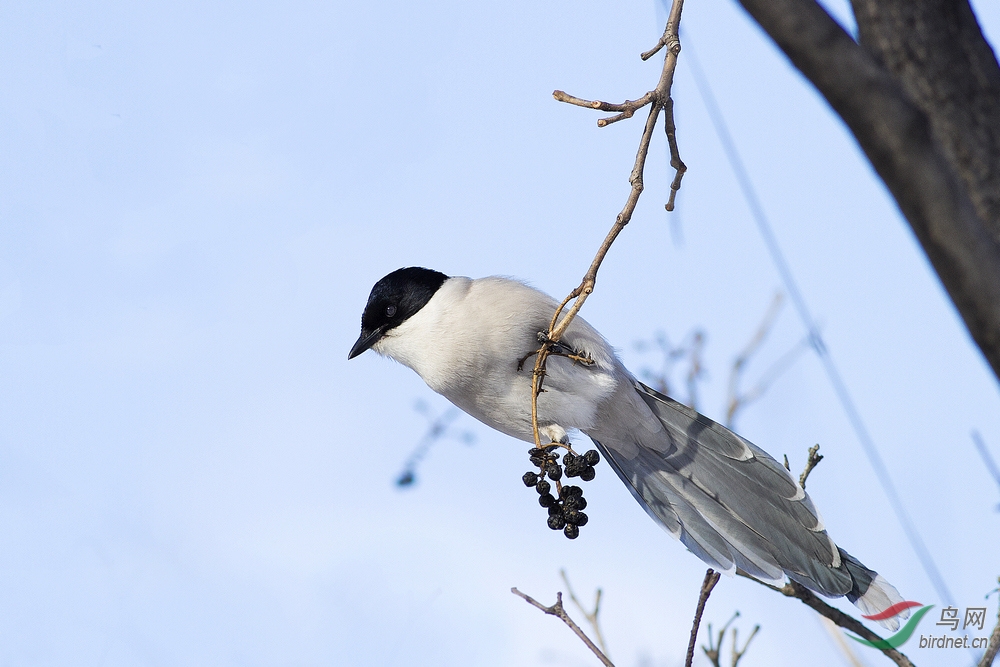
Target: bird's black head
x=393 y=300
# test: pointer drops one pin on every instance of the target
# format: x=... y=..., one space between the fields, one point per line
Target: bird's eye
x=390 y=310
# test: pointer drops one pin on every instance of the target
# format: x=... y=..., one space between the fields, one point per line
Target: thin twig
x=794 y=590
x=841 y=641
x=670 y=127
x=658 y=100
x=690 y=351
x=592 y=617
x=988 y=461
x=737 y=399
x=814 y=458
x=737 y=654
x=714 y=649
x=696 y=371
x=711 y=579
x=438 y=429
x=558 y=611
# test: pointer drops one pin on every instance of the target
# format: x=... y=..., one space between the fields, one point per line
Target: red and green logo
x=904 y=633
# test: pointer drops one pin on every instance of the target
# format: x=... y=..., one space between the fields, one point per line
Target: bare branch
x=659 y=100
x=669 y=39
x=626 y=109
x=696 y=371
x=438 y=428
x=994 y=645
x=558 y=611
x=814 y=458
x=714 y=648
x=711 y=579
x=841 y=641
x=675 y=156
x=737 y=399
x=738 y=653
x=592 y=617
x=899 y=140
x=689 y=351
x=794 y=590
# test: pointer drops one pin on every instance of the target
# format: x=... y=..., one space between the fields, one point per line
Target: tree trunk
x=921 y=94
x=939 y=55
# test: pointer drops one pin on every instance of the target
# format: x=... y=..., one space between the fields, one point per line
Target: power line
x=815 y=338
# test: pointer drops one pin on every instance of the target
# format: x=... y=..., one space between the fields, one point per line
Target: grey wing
x=727 y=500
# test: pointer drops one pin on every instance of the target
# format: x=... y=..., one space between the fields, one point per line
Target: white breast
x=466 y=344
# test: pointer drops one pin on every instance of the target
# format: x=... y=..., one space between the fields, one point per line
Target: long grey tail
x=734 y=506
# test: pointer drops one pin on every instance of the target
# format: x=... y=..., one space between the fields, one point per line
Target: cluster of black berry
x=566 y=510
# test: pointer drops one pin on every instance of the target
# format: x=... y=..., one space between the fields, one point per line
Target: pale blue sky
x=194 y=203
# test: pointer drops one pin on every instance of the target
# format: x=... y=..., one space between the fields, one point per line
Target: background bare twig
x=558 y=611
x=591 y=616
x=438 y=428
x=738 y=398
x=714 y=648
x=688 y=351
x=988 y=461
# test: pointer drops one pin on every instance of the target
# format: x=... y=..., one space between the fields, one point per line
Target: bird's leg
x=561 y=349
x=520 y=362
x=557 y=349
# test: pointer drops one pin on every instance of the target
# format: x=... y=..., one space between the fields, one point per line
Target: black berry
x=592 y=458
x=571 y=531
x=588 y=473
x=546 y=500
x=556 y=522
x=529 y=479
x=543 y=487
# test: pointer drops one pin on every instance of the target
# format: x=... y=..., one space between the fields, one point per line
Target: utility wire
x=815 y=338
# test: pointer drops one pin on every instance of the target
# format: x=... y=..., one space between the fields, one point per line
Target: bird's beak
x=365 y=341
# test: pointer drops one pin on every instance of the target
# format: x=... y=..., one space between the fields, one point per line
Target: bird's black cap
x=393 y=300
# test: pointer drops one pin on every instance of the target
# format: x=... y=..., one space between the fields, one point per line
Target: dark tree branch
x=991 y=652
x=901 y=143
x=711 y=579
x=794 y=590
x=994 y=645
x=938 y=53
